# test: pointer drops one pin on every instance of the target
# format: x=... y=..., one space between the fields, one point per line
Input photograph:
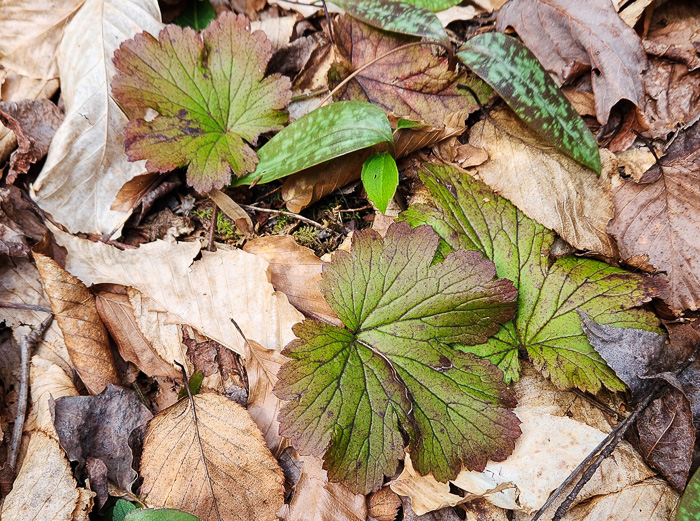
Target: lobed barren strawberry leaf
x=468 y=215
x=210 y=93
x=352 y=392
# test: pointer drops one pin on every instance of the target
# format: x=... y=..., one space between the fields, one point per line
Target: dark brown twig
x=290 y=214
x=212 y=228
x=29 y=307
x=26 y=344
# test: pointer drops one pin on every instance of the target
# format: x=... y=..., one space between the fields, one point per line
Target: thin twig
x=328 y=21
x=212 y=227
x=199 y=439
x=290 y=214
x=29 y=307
x=351 y=210
x=26 y=344
x=602 y=407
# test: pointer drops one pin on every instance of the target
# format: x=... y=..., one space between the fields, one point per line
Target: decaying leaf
x=86 y=165
x=316 y=499
x=546 y=185
x=18 y=222
x=383 y=505
x=209 y=112
x=658 y=219
x=413 y=84
x=99 y=427
x=85 y=334
x=468 y=215
x=245 y=478
x=401 y=314
x=569 y=37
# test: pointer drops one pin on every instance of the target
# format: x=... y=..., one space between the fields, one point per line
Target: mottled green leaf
x=210 y=93
x=689 y=508
x=198 y=15
x=195 y=384
x=324 y=134
x=380 y=177
x=120 y=509
x=434 y=5
x=516 y=75
x=352 y=392
x=468 y=215
x=159 y=514
x=396 y=17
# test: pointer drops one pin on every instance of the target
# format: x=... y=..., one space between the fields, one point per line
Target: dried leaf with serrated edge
x=468 y=215
x=209 y=111
x=350 y=389
x=413 y=83
x=86 y=337
x=245 y=477
x=569 y=37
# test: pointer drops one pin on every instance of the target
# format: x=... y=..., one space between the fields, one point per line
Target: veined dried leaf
x=19 y=222
x=48 y=382
x=244 y=475
x=75 y=311
x=86 y=165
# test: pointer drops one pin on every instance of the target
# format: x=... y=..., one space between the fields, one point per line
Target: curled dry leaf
x=245 y=477
x=86 y=165
x=18 y=222
x=317 y=499
x=75 y=311
x=544 y=184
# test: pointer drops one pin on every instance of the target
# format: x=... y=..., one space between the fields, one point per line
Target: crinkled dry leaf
x=546 y=185
x=85 y=335
x=245 y=477
x=570 y=37
x=86 y=165
x=383 y=505
x=18 y=222
x=47 y=382
x=316 y=499
x=659 y=219
x=44 y=488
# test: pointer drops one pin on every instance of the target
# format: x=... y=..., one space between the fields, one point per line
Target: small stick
x=328 y=21
x=212 y=227
x=25 y=345
x=199 y=439
x=29 y=307
x=290 y=214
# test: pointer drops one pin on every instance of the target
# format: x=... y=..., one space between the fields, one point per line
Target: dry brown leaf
x=316 y=499
x=245 y=477
x=117 y=314
x=383 y=505
x=85 y=334
x=44 y=488
x=279 y=30
x=18 y=221
x=632 y=12
x=457 y=13
x=545 y=185
x=86 y=165
x=304 y=7
x=481 y=510
x=232 y=210
x=296 y=272
x=47 y=382
x=205 y=294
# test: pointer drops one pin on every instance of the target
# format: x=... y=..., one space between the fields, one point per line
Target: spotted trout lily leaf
x=356 y=394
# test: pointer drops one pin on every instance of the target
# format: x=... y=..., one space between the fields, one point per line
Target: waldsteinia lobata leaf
x=353 y=392
x=468 y=215
x=324 y=134
x=210 y=93
x=519 y=78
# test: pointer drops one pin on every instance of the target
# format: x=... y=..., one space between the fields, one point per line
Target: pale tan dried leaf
x=278 y=29
x=47 y=382
x=84 y=506
x=636 y=161
x=296 y=272
x=85 y=334
x=244 y=475
x=634 y=11
x=117 y=314
x=232 y=210
x=304 y=7
x=481 y=510
x=316 y=499
x=205 y=294
x=457 y=13
x=651 y=500
x=44 y=488
x=160 y=328
x=86 y=165
x=383 y=505
x=545 y=185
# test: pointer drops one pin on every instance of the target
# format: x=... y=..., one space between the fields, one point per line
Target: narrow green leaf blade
x=159 y=514
x=519 y=78
x=434 y=5
x=324 y=134
x=197 y=15
x=397 y=17
x=380 y=177
x=689 y=508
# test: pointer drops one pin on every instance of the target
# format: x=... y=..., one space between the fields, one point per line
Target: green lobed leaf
x=397 y=17
x=352 y=392
x=120 y=509
x=434 y=5
x=468 y=215
x=210 y=93
x=689 y=507
x=159 y=514
x=197 y=15
x=518 y=77
x=321 y=135
x=380 y=177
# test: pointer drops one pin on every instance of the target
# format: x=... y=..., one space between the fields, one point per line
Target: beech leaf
x=516 y=75
x=350 y=391
x=211 y=96
x=468 y=215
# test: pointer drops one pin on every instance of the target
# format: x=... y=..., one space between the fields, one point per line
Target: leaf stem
x=294 y=215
